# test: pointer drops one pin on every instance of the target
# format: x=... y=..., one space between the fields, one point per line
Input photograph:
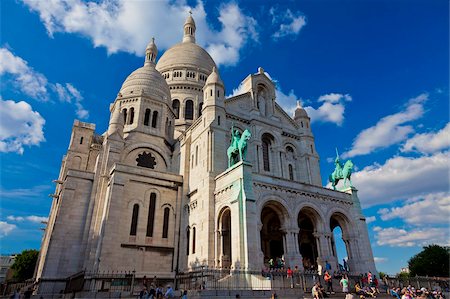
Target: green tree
x=433 y=260
x=381 y=274
x=24 y=264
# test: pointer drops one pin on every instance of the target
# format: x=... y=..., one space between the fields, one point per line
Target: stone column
x=292 y=253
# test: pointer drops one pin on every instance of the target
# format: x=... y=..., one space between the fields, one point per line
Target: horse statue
x=341 y=172
x=237 y=151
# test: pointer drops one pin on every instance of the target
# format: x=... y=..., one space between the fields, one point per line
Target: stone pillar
x=360 y=246
x=244 y=243
x=292 y=252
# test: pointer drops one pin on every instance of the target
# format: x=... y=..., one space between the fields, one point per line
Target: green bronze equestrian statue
x=238 y=147
x=341 y=172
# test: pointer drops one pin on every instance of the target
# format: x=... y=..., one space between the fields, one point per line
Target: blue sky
x=373 y=76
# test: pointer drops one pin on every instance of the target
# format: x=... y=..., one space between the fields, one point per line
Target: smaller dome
x=214 y=78
x=147 y=80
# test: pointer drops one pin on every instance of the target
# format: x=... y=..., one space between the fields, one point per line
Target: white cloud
x=15 y=218
x=19 y=126
x=402 y=178
x=433 y=208
x=128 y=25
x=36 y=85
x=36 y=219
x=289 y=23
x=371 y=219
x=429 y=142
x=68 y=93
x=6 y=228
x=35 y=191
x=29 y=81
x=287 y=101
x=380 y=260
x=389 y=130
x=237 y=29
x=31 y=218
x=397 y=237
x=332 y=110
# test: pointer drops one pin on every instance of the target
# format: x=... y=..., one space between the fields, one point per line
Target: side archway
x=224 y=238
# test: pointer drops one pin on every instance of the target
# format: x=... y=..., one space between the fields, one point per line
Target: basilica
x=156 y=193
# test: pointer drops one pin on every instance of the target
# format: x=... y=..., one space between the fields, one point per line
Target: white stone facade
x=153 y=193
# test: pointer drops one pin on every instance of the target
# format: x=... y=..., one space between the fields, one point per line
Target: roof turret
x=214 y=78
x=300 y=112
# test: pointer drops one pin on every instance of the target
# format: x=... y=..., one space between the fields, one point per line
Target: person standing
x=329 y=281
x=289 y=277
x=344 y=284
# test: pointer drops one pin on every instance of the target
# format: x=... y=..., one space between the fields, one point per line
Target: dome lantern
x=151 y=52
x=189 y=29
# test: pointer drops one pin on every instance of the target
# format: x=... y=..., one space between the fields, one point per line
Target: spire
x=189 y=29
x=151 y=52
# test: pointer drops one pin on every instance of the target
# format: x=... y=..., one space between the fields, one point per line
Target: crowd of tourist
x=412 y=293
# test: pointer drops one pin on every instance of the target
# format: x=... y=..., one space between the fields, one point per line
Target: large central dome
x=186 y=54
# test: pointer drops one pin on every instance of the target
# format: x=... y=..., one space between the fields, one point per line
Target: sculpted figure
x=341 y=172
x=238 y=147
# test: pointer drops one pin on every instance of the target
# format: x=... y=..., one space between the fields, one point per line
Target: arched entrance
x=339 y=241
x=224 y=238
x=307 y=221
x=272 y=244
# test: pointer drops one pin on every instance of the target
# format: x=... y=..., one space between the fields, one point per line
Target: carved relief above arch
x=145 y=155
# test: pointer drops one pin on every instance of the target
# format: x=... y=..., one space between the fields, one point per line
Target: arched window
x=210 y=92
x=291 y=172
x=134 y=220
x=312 y=149
x=124 y=111
x=81 y=140
x=200 y=107
x=188 y=239
x=266 y=142
x=131 y=115
x=193 y=240
x=147 y=117
x=151 y=215
x=189 y=110
x=176 y=108
x=154 y=119
x=166 y=223
x=218 y=120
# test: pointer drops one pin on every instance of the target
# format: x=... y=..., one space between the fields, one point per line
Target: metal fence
x=203 y=278
x=227 y=279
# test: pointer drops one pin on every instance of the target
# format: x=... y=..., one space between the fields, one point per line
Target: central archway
x=307 y=222
x=272 y=244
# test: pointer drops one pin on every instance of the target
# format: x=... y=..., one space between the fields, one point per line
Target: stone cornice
x=237 y=97
x=304 y=193
x=240 y=119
